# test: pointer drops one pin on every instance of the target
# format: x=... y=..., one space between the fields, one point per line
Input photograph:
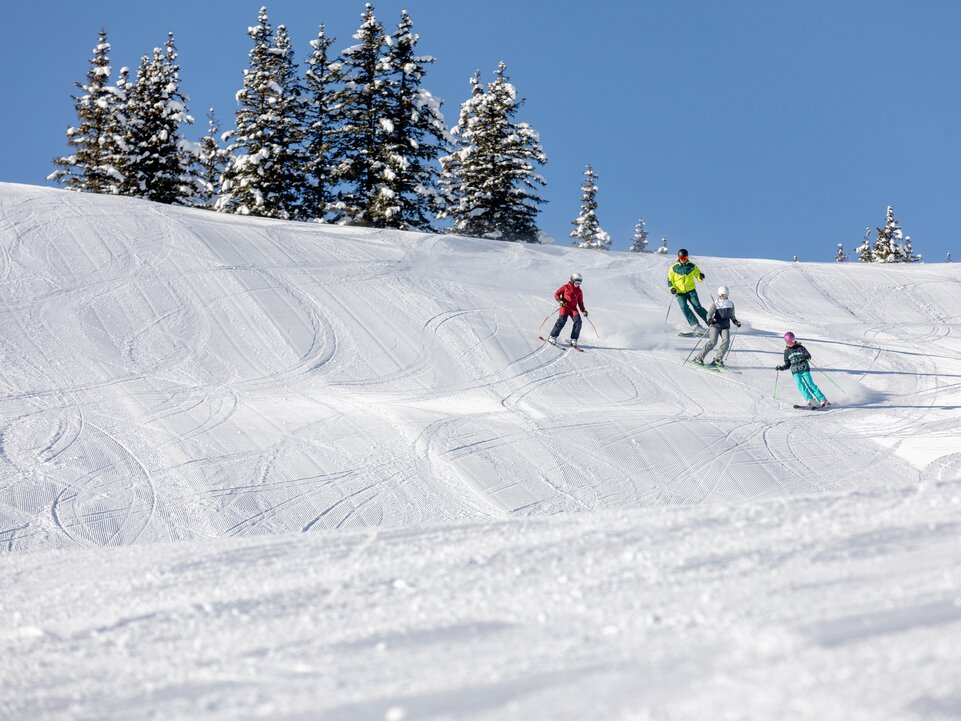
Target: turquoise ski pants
x=805 y=383
x=691 y=296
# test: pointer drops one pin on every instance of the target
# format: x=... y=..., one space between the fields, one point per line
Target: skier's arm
x=712 y=314
x=698 y=273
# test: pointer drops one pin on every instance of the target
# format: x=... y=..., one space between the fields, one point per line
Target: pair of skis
x=716 y=369
x=561 y=347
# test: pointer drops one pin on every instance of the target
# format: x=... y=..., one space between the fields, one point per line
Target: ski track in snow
x=393 y=501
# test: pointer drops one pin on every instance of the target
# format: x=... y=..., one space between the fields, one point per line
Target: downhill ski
x=561 y=347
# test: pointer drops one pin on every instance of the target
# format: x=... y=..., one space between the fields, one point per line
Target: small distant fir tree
x=587 y=231
x=841 y=257
x=490 y=181
x=948 y=260
x=97 y=139
x=662 y=250
x=265 y=173
x=864 y=251
x=211 y=161
x=640 y=238
x=158 y=161
x=890 y=245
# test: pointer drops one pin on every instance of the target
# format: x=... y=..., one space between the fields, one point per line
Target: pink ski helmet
x=789 y=338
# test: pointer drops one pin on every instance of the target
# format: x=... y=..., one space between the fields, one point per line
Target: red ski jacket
x=574 y=297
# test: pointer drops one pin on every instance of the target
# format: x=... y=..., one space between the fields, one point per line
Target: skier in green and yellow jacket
x=682 y=278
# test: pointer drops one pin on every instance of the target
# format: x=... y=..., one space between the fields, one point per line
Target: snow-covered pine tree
x=909 y=254
x=588 y=232
x=265 y=172
x=490 y=179
x=361 y=137
x=640 y=238
x=415 y=137
x=841 y=257
x=322 y=112
x=662 y=250
x=91 y=166
x=158 y=160
x=211 y=161
x=887 y=247
x=864 y=251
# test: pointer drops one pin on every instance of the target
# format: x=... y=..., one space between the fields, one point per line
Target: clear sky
x=746 y=128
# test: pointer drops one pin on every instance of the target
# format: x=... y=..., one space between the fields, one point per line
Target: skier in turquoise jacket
x=796 y=357
x=681 y=281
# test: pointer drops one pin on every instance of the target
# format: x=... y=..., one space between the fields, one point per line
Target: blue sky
x=749 y=128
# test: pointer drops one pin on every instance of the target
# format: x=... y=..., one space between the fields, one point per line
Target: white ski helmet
x=576 y=278
x=722 y=291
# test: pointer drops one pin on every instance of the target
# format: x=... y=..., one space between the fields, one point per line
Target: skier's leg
x=576 y=329
x=712 y=333
x=811 y=386
x=561 y=320
x=802 y=387
x=698 y=308
x=682 y=301
x=725 y=344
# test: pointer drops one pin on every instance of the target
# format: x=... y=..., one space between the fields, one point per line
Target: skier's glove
x=701 y=276
x=673 y=291
x=584 y=312
x=562 y=302
x=737 y=323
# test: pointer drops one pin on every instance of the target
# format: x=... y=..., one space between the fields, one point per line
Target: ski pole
x=827 y=376
x=545 y=319
x=777 y=374
x=693 y=349
x=669 y=306
x=730 y=346
x=595 y=329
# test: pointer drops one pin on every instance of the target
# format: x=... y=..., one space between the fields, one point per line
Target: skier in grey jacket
x=719 y=318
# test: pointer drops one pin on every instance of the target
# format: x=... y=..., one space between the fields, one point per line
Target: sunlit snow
x=259 y=469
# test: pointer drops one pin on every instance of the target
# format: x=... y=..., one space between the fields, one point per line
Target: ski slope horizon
x=357 y=440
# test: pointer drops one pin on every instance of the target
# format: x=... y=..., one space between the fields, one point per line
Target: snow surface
x=257 y=469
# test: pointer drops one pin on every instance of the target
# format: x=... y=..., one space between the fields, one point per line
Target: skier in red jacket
x=571 y=298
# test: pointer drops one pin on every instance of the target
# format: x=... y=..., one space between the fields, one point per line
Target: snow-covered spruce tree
x=362 y=136
x=94 y=142
x=640 y=238
x=490 y=179
x=864 y=251
x=159 y=161
x=588 y=232
x=887 y=247
x=265 y=174
x=415 y=136
x=841 y=257
x=322 y=112
x=211 y=161
x=909 y=254
x=662 y=250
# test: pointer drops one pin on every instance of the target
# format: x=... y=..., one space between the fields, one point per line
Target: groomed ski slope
x=398 y=503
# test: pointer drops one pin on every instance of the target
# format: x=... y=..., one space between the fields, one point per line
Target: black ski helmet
x=682 y=253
